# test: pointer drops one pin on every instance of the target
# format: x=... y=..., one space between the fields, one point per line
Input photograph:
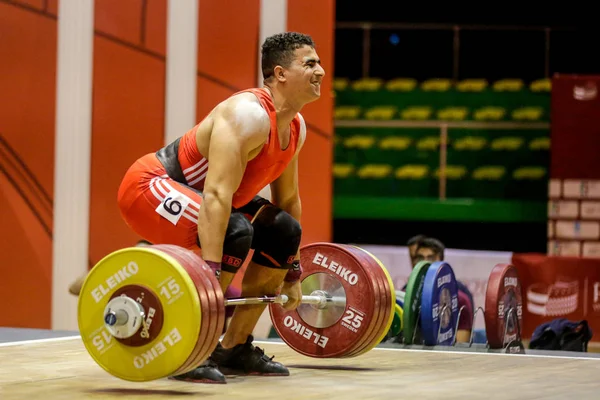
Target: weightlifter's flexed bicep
x=240 y=126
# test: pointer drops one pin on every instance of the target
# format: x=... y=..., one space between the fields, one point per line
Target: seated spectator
x=412 y=245
x=432 y=250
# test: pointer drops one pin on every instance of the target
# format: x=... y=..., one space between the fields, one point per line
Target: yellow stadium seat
x=542 y=143
x=412 y=172
x=395 y=143
x=401 y=84
x=489 y=113
x=507 y=143
x=469 y=143
x=367 y=84
x=347 y=112
x=508 y=85
x=359 y=142
x=416 y=112
x=489 y=173
x=528 y=113
x=529 y=173
x=541 y=85
x=429 y=143
x=471 y=85
x=374 y=171
x=453 y=172
x=436 y=84
x=380 y=112
x=453 y=113
x=342 y=170
x=340 y=83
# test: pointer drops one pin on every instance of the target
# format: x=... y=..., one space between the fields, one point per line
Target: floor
x=55 y=365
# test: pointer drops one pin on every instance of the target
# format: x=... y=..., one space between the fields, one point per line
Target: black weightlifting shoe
x=246 y=359
x=207 y=372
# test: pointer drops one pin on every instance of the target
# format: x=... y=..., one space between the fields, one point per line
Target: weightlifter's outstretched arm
x=240 y=126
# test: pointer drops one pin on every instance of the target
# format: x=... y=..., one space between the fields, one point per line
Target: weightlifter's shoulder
x=245 y=116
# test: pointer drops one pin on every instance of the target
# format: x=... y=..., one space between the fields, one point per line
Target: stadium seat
x=412 y=172
x=507 y=143
x=489 y=113
x=469 y=143
x=401 y=85
x=367 y=84
x=374 y=171
x=380 y=113
x=508 y=85
x=489 y=172
x=472 y=85
x=436 y=84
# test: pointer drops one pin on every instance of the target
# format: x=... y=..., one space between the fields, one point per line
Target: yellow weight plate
x=170 y=283
x=400 y=314
x=393 y=305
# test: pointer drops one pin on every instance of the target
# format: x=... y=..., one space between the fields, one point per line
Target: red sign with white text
x=559 y=287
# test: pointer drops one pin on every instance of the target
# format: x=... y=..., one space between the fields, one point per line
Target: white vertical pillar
x=72 y=155
x=181 y=68
x=273 y=19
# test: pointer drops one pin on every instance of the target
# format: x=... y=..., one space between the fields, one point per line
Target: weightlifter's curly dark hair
x=279 y=49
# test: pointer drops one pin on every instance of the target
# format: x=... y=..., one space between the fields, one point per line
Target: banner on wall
x=558 y=287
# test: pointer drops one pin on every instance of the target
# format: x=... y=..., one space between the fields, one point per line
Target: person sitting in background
x=432 y=250
x=412 y=245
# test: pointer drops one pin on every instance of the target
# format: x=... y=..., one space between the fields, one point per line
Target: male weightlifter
x=201 y=192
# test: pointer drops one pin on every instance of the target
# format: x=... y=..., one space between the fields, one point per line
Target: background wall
x=128 y=118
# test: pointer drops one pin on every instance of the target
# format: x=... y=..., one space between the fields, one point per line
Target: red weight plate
x=216 y=316
x=503 y=294
x=182 y=257
x=334 y=331
x=386 y=303
x=379 y=298
x=218 y=307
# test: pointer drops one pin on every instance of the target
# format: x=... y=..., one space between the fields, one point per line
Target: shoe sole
x=237 y=372
x=209 y=381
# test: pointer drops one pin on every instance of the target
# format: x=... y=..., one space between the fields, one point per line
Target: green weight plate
x=412 y=300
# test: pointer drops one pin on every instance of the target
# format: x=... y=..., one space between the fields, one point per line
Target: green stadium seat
x=508 y=85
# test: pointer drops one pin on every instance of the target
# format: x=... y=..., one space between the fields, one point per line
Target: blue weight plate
x=400 y=302
x=439 y=290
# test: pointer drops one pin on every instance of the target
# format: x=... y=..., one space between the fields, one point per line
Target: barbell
x=146 y=313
